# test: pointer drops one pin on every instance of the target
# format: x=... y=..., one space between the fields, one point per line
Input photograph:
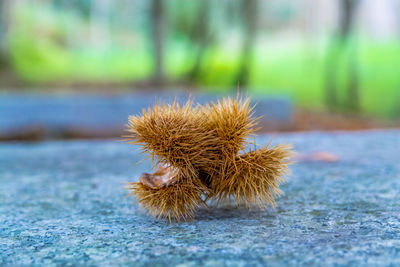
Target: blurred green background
x=342 y=55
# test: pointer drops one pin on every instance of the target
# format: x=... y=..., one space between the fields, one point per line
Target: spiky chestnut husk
x=254 y=178
x=231 y=121
x=175 y=201
x=202 y=145
x=174 y=135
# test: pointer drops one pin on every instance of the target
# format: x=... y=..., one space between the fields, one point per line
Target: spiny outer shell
x=173 y=135
x=231 y=121
x=173 y=202
x=254 y=177
x=204 y=143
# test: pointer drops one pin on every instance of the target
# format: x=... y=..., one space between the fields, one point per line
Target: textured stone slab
x=63 y=203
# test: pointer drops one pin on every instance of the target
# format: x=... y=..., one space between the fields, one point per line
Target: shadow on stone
x=213 y=213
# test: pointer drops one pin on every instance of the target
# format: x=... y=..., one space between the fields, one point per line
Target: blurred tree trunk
x=337 y=47
x=202 y=37
x=353 y=101
x=4 y=11
x=250 y=16
x=158 y=40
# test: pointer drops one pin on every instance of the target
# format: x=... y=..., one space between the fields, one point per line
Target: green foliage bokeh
x=41 y=54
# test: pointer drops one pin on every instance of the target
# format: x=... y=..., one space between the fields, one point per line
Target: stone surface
x=63 y=203
x=56 y=114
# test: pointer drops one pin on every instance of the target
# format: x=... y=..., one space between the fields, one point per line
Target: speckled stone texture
x=64 y=203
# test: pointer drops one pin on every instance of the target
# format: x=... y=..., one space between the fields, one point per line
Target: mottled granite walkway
x=62 y=203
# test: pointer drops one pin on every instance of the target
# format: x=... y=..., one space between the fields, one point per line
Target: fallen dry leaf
x=318 y=156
